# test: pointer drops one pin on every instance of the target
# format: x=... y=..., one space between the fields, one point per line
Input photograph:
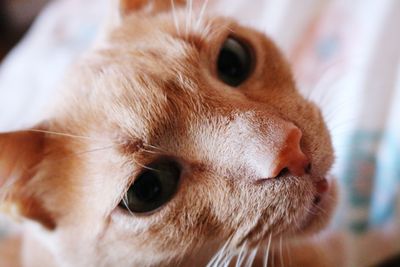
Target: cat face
x=177 y=137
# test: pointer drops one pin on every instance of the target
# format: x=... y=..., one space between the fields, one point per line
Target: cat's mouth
x=319 y=212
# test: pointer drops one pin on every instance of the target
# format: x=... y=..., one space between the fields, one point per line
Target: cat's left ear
x=19 y=152
x=20 y=155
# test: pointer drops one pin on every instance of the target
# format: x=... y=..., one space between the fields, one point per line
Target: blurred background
x=345 y=57
x=15 y=18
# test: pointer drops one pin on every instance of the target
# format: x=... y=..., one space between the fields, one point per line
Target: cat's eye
x=154 y=187
x=235 y=62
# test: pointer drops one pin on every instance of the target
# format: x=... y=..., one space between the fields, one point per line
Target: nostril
x=308 y=168
x=291 y=158
x=317 y=200
x=283 y=172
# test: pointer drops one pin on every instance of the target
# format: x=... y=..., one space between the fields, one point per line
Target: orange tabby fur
x=151 y=89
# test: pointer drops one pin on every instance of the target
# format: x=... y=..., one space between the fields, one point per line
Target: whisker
x=332 y=112
x=310 y=211
x=320 y=209
x=201 y=14
x=280 y=252
x=288 y=253
x=175 y=18
x=219 y=255
x=297 y=224
x=93 y=150
x=151 y=152
x=268 y=248
x=80 y=153
x=5 y=189
x=156 y=148
x=144 y=166
x=345 y=122
x=273 y=256
x=125 y=201
x=326 y=75
x=189 y=9
x=228 y=259
x=102 y=149
x=71 y=135
x=251 y=257
x=240 y=256
x=226 y=256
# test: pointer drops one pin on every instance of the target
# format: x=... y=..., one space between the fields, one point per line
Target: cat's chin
x=320 y=213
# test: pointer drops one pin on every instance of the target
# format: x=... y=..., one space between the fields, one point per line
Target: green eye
x=154 y=187
x=234 y=63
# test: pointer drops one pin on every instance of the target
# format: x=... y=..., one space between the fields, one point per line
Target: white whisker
x=273 y=256
x=175 y=17
x=151 y=152
x=280 y=252
x=320 y=209
x=189 y=16
x=124 y=200
x=268 y=248
x=201 y=14
x=288 y=253
x=240 y=256
x=251 y=257
x=228 y=259
x=71 y=135
x=156 y=148
x=94 y=150
x=219 y=255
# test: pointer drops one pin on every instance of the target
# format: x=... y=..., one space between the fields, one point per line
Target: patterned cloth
x=345 y=55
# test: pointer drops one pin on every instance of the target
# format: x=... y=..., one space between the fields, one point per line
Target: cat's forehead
x=153 y=74
x=148 y=31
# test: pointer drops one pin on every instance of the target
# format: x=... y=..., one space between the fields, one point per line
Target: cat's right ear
x=127 y=7
x=121 y=9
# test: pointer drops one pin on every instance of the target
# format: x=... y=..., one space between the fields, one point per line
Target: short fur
x=150 y=89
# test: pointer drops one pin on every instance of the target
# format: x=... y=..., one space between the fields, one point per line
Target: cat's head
x=177 y=134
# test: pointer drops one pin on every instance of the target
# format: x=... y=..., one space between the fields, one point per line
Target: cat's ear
x=20 y=155
x=127 y=7
x=120 y=9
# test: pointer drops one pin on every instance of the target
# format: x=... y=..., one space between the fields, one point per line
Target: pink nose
x=290 y=158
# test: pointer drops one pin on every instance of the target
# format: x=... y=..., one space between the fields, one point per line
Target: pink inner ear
x=127 y=6
x=5 y=171
x=19 y=151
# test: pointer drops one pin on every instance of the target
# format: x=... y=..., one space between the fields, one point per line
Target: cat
x=180 y=140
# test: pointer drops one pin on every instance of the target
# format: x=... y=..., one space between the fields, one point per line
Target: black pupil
x=234 y=62
x=148 y=188
x=153 y=187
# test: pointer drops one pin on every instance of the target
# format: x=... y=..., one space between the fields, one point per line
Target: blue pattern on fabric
x=371 y=177
x=387 y=180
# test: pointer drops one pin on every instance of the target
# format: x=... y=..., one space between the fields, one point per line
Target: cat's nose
x=290 y=159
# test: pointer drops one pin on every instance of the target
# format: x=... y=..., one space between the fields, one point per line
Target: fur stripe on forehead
x=146 y=87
